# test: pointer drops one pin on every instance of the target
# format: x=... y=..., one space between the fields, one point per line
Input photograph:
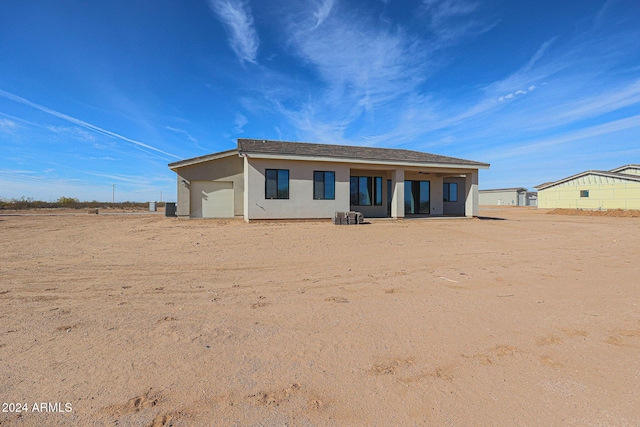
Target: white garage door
x=211 y=199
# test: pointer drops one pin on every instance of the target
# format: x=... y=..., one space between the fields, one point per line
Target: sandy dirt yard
x=519 y=318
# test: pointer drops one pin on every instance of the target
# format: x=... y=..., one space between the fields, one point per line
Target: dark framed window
x=366 y=190
x=584 y=193
x=450 y=192
x=377 y=191
x=417 y=197
x=324 y=185
x=276 y=184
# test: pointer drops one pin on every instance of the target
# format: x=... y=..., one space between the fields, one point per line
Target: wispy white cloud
x=240 y=122
x=183 y=132
x=518 y=92
x=441 y=11
x=361 y=67
x=7 y=126
x=137 y=144
x=323 y=12
x=539 y=54
x=368 y=63
x=544 y=144
x=131 y=179
x=238 y=21
x=105 y=158
x=594 y=104
x=454 y=20
x=73 y=132
x=366 y=68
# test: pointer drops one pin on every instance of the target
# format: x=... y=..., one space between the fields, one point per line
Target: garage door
x=211 y=199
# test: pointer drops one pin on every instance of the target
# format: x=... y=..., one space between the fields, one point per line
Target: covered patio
x=380 y=192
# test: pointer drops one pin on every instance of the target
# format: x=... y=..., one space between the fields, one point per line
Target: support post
x=397 y=201
x=471 y=187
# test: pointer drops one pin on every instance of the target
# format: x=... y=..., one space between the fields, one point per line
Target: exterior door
x=417 y=197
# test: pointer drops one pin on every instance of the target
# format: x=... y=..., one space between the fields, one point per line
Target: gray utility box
x=170 y=209
x=348 y=218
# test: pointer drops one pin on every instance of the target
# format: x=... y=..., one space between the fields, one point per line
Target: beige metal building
x=291 y=180
x=618 y=188
x=503 y=197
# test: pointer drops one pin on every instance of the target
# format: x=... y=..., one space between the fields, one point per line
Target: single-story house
x=292 y=180
x=618 y=188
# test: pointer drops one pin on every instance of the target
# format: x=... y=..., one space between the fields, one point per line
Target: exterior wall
x=455 y=208
x=224 y=169
x=300 y=204
x=604 y=193
x=499 y=198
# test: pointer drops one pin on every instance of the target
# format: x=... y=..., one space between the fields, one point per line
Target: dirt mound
x=621 y=213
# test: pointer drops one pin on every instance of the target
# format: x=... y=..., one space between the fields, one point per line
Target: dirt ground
x=591 y=212
x=518 y=318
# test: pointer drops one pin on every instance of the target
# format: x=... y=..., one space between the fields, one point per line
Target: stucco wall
x=300 y=204
x=455 y=208
x=605 y=193
x=224 y=169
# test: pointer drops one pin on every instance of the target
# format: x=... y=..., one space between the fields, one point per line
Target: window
x=324 y=185
x=277 y=184
x=450 y=192
x=377 y=191
x=366 y=190
x=584 y=193
x=417 y=197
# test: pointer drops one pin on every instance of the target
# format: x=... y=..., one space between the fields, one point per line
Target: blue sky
x=97 y=93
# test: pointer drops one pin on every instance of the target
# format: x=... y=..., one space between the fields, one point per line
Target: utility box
x=170 y=209
x=152 y=206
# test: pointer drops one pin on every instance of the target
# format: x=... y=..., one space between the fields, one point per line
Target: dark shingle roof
x=347 y=151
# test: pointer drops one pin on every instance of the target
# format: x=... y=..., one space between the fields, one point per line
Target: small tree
x=68 y=202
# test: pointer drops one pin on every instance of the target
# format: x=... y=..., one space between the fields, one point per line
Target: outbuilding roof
x=608 y=174
x=347 y=151
x=621 y=168
x=499 y=190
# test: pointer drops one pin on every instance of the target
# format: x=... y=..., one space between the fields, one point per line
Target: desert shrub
x=68 y=202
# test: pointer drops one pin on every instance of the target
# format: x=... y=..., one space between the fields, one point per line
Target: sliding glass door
x=416 y=197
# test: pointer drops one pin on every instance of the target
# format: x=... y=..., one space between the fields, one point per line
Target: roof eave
x=259 y=155
x=202 y=159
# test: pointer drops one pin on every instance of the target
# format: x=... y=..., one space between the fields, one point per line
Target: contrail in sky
x=79 y=122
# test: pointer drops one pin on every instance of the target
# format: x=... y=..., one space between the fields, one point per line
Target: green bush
x=68 y=202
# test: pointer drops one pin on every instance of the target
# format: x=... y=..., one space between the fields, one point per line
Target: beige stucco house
x=618 y=188
x=291 y=180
